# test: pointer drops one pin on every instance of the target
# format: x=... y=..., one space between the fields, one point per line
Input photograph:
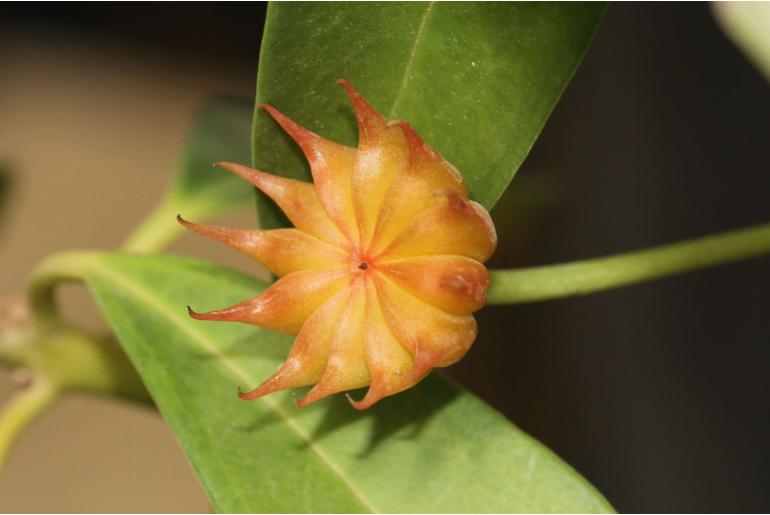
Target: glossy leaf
x=746 y=23
x=220 y=132
x=436 y=448
x=477 y=80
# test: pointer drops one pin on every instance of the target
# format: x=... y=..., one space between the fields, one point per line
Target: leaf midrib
x=170 y=313
x=410 y=60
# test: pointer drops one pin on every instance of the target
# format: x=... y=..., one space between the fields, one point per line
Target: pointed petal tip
x=251 y=395
x=344 y=83
x=348 y=86
x=232 y=167
x=355 y=97
x=351 y=90
x=211 y=315
x=315 y=394
x=226 y=165
x=367 y=402
x=184 y=222
x=305 y=138
x=256 y=177
x=272 y=111
x=239 y=239
x=366 y=114
x=200 y=316
x=303 y=402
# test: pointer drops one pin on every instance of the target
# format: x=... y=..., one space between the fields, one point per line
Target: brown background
x=657 y=393
x=92 y=124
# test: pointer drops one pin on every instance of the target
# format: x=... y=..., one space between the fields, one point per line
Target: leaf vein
x=200 y=339
x=410 y=60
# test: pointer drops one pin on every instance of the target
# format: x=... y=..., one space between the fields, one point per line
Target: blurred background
x=657 y=393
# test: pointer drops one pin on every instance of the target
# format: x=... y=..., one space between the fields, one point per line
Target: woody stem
x=593 y=275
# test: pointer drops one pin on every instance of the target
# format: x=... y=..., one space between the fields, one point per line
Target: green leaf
x=220 y=133
x=746 y=23
x=477 y=80
x=434 y=448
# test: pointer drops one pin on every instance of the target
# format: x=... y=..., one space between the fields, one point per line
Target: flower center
x=363 y=266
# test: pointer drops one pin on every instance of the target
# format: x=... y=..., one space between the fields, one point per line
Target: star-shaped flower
x=382 y=271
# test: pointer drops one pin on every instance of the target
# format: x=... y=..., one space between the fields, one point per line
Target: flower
x=379 y=276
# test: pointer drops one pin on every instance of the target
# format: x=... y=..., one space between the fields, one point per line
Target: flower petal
x=346 y=367
x=410 y=192
x=381 y=157
x=389 y=363
x=297 y=199
x=310 y=351
x=287 y=303
x=332 y=167
x=455 y=284
x=435 y=338
x=282 y=251
x=454 y=226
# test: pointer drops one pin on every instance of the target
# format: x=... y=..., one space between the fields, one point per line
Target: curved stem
x=61 y=356
x=592 y=275
x=22 y=409
x=56 y=268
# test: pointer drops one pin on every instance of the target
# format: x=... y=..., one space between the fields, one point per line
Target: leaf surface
x=435 y=448
x=220 y=132
x=477 y=80
x=746 y=23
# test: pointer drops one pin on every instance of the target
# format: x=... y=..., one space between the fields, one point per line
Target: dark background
x=657 y=393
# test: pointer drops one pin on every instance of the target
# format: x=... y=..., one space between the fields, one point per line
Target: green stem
x=592 y=275
x=22 y=409
x=156 y=231
x=53 y=270
x=74 y=358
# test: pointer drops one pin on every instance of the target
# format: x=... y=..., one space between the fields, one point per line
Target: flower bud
x=382 y=271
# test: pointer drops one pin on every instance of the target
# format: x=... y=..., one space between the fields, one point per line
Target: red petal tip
x=368 y=117
x=371 y=398
x=352 y=91
x=359 y=405
x=259 y=179
x=308 y=399
x=202 y=316
x=267 y=107
x=249 y=396
x=304 y=137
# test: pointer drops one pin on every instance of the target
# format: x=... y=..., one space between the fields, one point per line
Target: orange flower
x=382 y=271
